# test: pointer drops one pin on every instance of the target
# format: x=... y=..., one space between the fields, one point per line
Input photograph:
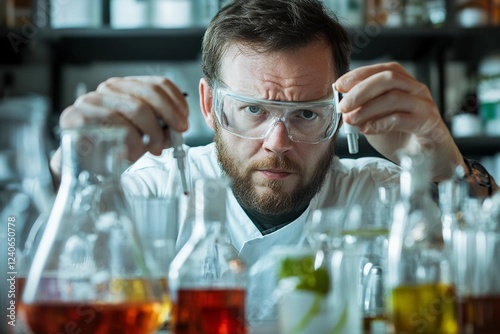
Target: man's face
x=275 y=175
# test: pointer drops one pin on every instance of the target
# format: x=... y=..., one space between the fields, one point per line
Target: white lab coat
x=352 y=181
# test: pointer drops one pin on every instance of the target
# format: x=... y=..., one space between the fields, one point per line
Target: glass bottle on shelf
x=18 y=12
x=415 y=13
x=495 y=13
x=436 y=12
x=472 y=13
x=419 y=278
x=91 y=275
x=207 y=280
x=376 y=13
x=350 y=12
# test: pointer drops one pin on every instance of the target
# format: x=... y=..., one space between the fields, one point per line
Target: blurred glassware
x=375 y=12
x=436 y=12
x=76 y=13
x=488 y=93
x=415 y=13
x=305 y=289
x=495 y=12
x=350 y=12
x=207 y=280
x=366 y=231
x=129 y=14
x=157 y=222
x=471 y=13
x=26 y=194
x=475 y=253
x=419 y=278
x=91 y=271
x=330 y=234
x=17 y=12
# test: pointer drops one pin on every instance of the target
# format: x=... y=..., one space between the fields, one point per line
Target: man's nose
x=277 y=140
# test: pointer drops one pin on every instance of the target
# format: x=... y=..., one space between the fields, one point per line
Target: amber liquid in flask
x=217 y=311
x=92 y=276
x=207 y=280
x=480 y=314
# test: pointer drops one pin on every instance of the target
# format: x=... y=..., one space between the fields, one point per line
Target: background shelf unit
x=429 y=48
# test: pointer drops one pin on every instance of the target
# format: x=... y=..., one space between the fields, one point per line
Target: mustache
x=278 y=162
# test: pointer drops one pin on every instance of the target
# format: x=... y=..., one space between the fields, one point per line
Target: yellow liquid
x=139 y=289
x=424 y=309
x=167 y=304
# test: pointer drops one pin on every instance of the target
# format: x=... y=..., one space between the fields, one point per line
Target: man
x=264 y=62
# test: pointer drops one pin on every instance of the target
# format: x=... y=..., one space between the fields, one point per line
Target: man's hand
x=136 y=103
x=394 y=110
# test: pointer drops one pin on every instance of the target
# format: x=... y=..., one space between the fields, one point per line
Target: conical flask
x=207 y=280
x=90 y=275
x=26 y=196
x=421 y=294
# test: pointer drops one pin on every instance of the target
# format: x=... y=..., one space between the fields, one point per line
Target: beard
x=276 y=201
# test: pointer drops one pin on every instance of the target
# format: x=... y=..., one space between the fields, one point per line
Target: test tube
x=179 y=154
x=351 y=131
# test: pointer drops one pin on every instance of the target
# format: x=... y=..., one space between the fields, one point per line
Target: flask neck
x=416 y=175
x=93 y=153
x=211 y=198
x=413 y=184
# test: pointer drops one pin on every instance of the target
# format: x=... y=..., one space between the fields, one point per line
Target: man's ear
x=206 y=98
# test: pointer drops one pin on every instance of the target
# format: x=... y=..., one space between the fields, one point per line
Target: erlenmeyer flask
x=91 y=276
x=421 y=294
x=26 y=196
x=207 y=280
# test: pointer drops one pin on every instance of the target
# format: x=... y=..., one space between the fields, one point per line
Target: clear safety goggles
x=251 y=118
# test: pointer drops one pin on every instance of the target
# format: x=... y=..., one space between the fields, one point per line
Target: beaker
x=91 y=273
x=157 y=222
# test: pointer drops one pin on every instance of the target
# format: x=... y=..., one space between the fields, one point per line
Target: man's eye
x=254 y=110
x=307 y=114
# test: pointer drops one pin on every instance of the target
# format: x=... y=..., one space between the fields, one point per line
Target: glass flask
x=90 y=275
x=26 y=196
x=476 y=249
x=304 y=288
x=207 y=280
x=453 y=198
x=421 y=296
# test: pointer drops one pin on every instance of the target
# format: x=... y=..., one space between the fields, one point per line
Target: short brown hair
x=273 y=25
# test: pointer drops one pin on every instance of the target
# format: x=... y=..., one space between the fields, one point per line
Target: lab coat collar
x=250 y=242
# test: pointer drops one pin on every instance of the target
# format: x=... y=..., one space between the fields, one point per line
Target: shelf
x=478 y=146
x=79 y=46
x=404 y=44
x=88 y=45
x=473 y=44
x=12 y=44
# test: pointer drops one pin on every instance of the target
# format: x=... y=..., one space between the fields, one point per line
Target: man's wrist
x=481 y=183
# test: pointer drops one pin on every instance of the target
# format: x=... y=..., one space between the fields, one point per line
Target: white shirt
x=351 y=181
